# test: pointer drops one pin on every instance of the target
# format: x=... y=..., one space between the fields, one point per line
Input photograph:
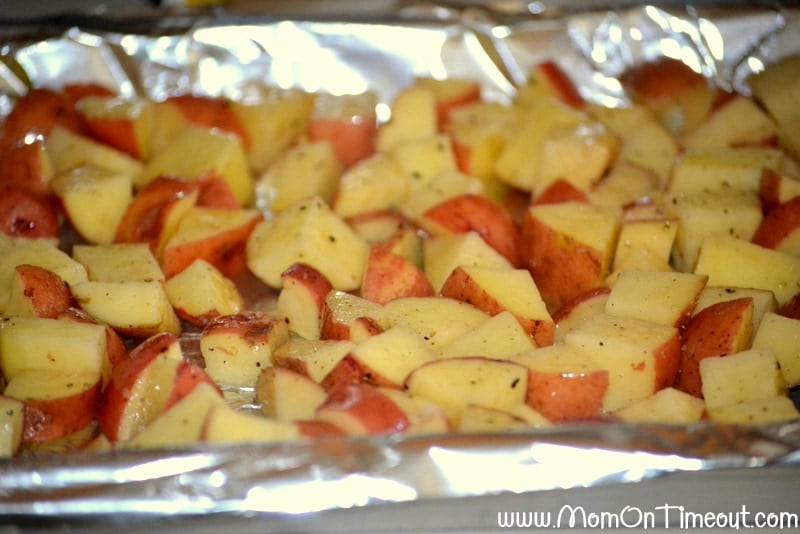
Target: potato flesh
x=307 y=232
x=29 y=344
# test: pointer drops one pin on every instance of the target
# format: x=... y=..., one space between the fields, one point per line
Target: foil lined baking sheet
x=333 y=473
x=230 y=53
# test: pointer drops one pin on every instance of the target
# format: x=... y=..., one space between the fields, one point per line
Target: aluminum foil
x=229 y=52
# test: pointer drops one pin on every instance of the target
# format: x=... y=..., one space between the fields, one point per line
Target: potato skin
x=562 y=267
x=492 y=221
x=210 y=112
x=27 y=214
x=35 y=114
x=713 y=331
x=50 y=419
x=47 y=292
x=23 y=166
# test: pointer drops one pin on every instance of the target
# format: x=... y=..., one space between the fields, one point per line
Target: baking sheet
x=228 y=52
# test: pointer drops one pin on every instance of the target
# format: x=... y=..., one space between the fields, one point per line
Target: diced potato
x=280 y=187
x=237 y=348
x=200 y=292
x=781 y=335
x=445 y=253
x=124 y=262
x=665 y=406
x=94 y=200
x=134 y=308
x=711 y=212
x=37 y=344
x=371 y=185
x=438 y=320
x=742 y=377
x=457 y=383
x=728 y=261
x=40 y=253
x=68 y=150
x=425 y=158
x=756 y=412
x=181 y=424
x=195 y=152
x=308 y=232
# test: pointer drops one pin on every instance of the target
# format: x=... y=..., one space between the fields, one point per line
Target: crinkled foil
x=229 y=53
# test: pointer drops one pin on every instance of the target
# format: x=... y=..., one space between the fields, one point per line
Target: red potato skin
x=196 y=320
x=74 y=92
x=560 y=191
x=187 y=377
x=713 y=331
x=353 y=138
x=721 y=97
x=471 y=212
x=516 y=202
x=462 y=152
x=123 y=375
x=389 y=276
x=791 y=308
x=46 y=291
x=562 y=397
x=657 y=83
x=292 y=364
x=35 y=114
x=308 y=277
x=460 y=286
x=350 y=370
x=215 y=192
x=560 y=84
x=295 y=365
x=445 y=106
x=118 y=133
x=210 y=112
x=377 y=412
x=781 y=221
x=333 y=329
x=49 y=419
x=337 y=323
x=769 y=189
x=304 y=282
x=145 y=217
x=21 y=166
x=39 y=110
x=224 y=250
x=27 y=214
x=450 y=95
x=562 y=267
x=364 y=327
x=252 y=325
